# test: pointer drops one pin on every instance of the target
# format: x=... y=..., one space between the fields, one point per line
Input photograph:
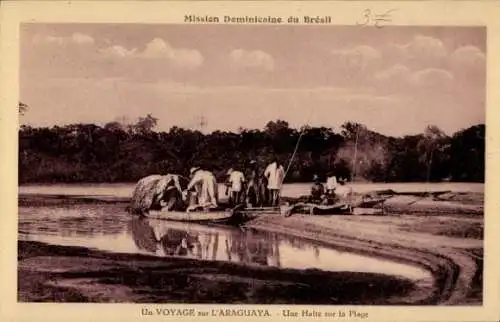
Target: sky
x=395 y=80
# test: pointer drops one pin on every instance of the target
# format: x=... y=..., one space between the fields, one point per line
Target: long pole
x=302 y=131
x=354 y=163
x=429 y=165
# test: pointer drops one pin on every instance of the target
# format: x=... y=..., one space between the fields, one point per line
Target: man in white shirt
x=205 y=184
x=275 y=174
x=331 y=183
x=343 y=191
x=236 y=183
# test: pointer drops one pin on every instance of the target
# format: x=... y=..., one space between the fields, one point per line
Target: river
x=108 y=227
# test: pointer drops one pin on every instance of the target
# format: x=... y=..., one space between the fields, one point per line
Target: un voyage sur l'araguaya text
x=258 y=19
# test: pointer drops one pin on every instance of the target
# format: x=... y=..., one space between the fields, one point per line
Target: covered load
x=157 y=192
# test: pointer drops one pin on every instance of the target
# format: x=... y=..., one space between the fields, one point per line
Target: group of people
x=175 y=192
x=253 y=188
x=332 y=191
x=261 y=188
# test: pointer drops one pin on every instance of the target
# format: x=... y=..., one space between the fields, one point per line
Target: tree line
x=119 y=152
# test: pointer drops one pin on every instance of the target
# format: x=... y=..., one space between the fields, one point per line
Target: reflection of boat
x=163 y=239
x=205 y=242
x=250 y=247
x=143 y=235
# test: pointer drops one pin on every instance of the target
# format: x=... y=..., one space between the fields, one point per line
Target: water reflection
x=71 y=221
x=165 y=238
x=110 y=229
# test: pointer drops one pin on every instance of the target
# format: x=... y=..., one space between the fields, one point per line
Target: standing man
x=256 y=187
x=205 y=184
x=331 y=183
x=275 y=173
x=236 y=183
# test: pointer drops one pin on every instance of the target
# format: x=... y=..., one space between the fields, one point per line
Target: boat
x=244 y=214
x=215 y=216
x=316 y=209
x=235 y=215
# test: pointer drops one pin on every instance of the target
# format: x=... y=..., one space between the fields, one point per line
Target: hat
x=193 y=170
x=315 y=177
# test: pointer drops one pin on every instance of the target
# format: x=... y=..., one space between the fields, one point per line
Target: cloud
x=82 y=39
x=420 y=52
x=75 y=38
x=358 y=57
x=117 y=51
x=159 y=49
x=182 y=57
x=432 y=77
x=427 y=47
x=256 y=59
x=469 y=58
x=396 y=73
x=401 y=79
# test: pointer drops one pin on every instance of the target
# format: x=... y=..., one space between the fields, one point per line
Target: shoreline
x=455 y=263
x=48 y=273
x=449 y=246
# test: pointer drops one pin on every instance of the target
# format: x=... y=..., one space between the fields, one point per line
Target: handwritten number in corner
x=373 y=19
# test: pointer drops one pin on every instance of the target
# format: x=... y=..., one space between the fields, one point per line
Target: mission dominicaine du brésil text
x=258 y=19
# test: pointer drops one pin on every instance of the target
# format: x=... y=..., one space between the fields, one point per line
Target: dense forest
x=119 y=152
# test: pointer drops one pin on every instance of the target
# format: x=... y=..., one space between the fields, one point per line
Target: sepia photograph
x=251 y=164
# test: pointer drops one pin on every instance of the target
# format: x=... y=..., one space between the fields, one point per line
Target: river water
x=108 y=227
x=124 y=190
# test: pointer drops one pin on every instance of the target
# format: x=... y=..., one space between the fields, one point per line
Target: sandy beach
x=448 y=245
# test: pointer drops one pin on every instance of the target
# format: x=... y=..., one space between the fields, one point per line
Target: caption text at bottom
x=287 y=313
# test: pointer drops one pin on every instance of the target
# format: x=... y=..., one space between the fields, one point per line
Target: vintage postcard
x=288 y=161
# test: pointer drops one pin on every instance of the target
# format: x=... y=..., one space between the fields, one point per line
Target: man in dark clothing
x=317 y=190
x=256 y=188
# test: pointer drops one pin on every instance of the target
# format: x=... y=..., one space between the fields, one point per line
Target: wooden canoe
x=221 y=215
x=315 y=209
x=259 y=210
x=218 y=216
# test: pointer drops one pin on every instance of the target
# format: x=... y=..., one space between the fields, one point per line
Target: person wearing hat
x=236 y=182
x=205 y=185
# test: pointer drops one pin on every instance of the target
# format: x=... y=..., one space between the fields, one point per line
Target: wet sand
x=73 y=274
x=448 y=245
